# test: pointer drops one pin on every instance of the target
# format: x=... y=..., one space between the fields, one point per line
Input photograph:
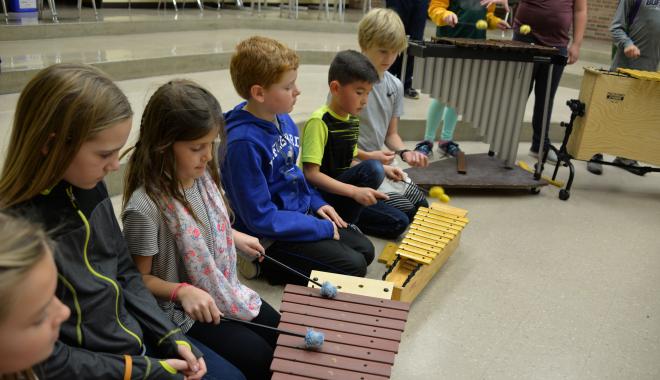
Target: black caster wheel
x=564 y=194
x=535 y=190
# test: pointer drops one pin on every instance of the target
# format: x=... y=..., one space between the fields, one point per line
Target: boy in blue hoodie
x=266 y=189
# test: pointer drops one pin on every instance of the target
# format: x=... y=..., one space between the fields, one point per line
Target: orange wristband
x=176 y=290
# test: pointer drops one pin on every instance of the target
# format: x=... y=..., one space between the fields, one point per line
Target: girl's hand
x=487 y=3
x=199 y=305
x=503 y=25
x=249 y=245
x=394 y=173
x=450 y=20
x=195 y=368
x=181 y=366
x=328 y=212
x=335 y=233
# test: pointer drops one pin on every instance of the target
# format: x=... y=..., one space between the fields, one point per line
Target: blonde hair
x=180 y=110
x=260 y=61
x=382 y=28
x=63 y=106
x=22 y=246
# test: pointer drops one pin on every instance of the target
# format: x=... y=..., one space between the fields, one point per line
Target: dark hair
x=180 y=110
x=350 y=66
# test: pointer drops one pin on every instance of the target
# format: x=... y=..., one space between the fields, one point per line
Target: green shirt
x=330 y=141
x=468 y=14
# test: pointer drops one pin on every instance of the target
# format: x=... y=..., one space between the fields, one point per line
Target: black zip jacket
x=113 y=314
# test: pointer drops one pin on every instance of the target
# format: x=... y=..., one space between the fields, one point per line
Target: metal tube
x=461 y=102
x=472 y=93
x=437 y=78
x=418 y=73
x=446 y=82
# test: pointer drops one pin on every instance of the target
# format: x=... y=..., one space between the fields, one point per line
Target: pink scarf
x=214 y=272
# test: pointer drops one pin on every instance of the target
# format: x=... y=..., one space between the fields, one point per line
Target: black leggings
x=350 y=255
x=248 y=348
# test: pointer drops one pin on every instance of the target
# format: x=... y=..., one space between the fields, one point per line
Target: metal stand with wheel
x=564 y=158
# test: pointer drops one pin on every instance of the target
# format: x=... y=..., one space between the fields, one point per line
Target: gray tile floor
x=538 y=288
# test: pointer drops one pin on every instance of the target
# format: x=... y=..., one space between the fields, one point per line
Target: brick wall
x=599 y=17
x=358 y=4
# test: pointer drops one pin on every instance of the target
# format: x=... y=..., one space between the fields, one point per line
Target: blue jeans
x=217 y=368
x=367 y=173
x=540 y=85
x=384 y=221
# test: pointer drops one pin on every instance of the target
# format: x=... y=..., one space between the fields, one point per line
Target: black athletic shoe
x=411 y=93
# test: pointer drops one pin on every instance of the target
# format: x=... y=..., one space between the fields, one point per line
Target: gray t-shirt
x=385 y=102
x=147 y=234
x=644 y=33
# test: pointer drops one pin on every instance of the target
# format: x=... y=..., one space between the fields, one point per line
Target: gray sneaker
x=595 y=167
x=552 y=156
x=247 y=267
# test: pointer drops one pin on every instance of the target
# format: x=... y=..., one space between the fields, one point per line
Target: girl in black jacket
x=70 y=123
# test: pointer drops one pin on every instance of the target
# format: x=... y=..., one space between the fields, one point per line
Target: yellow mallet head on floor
x=525 y=29
x=439 y=193
x=482 y=24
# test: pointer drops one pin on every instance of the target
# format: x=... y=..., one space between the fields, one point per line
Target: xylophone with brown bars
x=362 y=336
x=432 y=238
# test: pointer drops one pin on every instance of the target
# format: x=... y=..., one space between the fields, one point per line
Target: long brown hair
x=22 y=246
x=63 y=106
x=180 y=110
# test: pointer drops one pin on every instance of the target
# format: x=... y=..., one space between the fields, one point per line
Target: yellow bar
x=443 y=218
x=432 y=227
x=430 y=233
x=416 y=250
x=414 y=257
x=414 y=243
x=439 y=223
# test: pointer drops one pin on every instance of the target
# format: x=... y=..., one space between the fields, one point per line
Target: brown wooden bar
x=362 y=336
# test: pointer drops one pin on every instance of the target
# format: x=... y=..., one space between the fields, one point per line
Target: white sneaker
x=246 y=267
x=552 y=156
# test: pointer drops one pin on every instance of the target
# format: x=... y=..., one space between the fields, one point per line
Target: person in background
x=636 y=34
x=550 y=22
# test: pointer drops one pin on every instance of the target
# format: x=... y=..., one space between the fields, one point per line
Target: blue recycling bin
x=22 y=5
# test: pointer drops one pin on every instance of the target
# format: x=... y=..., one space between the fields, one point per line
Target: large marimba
x=362 y=336
x=486 y=81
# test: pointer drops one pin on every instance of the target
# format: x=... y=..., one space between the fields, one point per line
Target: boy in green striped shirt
x=329 y=140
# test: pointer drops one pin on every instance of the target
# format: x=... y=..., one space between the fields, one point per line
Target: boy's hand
x=416 y=159
x=199 y=305
x=195 y=368
x=367 y=196
x=487 y=3
x=450 y=19
x=385 y=158
x=328 y=212
x=249 y=245
x=335 y=233
x=394 y=173
x=632 y=51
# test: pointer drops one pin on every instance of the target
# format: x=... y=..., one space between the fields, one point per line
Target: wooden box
x=622 y=118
